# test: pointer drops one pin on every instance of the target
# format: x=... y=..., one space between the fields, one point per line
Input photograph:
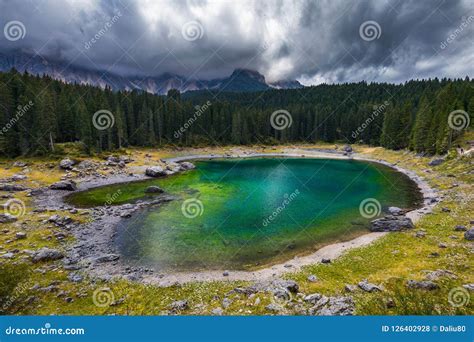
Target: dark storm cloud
x=314 y=41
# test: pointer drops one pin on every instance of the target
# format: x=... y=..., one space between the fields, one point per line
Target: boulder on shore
x=47 y=254
x=66 y=164
x=68 y=185
x=391 y=223
x=155 y=171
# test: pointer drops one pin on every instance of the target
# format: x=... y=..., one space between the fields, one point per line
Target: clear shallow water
x=239 y=214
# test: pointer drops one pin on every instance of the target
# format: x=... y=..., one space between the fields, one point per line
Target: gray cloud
x=313 y=41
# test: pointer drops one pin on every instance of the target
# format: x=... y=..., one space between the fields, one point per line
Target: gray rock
x=66 y=164
x=369 y=287
x=312 y=278
x=126 y=214
x=272 y=307
x=347 y=148
x=86 y=164
x=106 y=258
x=68 y=185
x=469 y=235
x=350 y=288
x=155 y=171
x=423 y=285
x=312 y=298
x=469 y=287
x=436 y=162
x=187 y=165
x=8 y=255
x=460 y=228
x=217 y=312
x=391 y=223
x=60 y=221
x=225 y=273
x=325 y=261
x=337 y=306
x=7 y=218
x=20 y=235
x=153 y=189
x=179 y=305
x=394 y=210
x=47 y=254
x=18 y=177
x=226 y=302
x=75 y=277
x=174 y=167
x=12 y=187
x=435 y=275
x=19 y=164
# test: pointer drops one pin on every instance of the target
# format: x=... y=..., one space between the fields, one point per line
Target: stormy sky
x=312 y=41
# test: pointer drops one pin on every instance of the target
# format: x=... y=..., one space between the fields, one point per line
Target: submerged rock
x=391 y=223
x=394 y=210
x=187 y=165
x=68 y=185
x=153 y=189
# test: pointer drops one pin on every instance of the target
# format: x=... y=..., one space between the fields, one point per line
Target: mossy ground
x=390 y=261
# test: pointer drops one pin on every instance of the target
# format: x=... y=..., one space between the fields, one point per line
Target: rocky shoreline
x=94 y=252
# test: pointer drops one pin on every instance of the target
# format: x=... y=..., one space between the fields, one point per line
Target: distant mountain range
x=241 y=80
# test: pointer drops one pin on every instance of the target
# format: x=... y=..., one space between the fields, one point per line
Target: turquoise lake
x=245 y=213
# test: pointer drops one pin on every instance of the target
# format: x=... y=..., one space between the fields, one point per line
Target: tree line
x=37 y=112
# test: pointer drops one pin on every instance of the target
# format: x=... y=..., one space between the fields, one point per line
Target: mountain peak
x=241 y=79
x=249 y=73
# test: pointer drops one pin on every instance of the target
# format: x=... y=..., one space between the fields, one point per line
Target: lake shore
x=95 y=239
